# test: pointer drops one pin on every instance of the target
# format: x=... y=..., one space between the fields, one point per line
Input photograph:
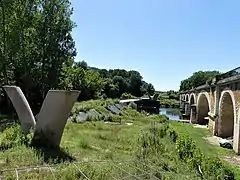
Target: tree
x=136 y=83
x=37 y=53
x=92 y=85
x=150 y=89
x=82 y=64
x=147 y=88
x=122 y=84
x=198 y=78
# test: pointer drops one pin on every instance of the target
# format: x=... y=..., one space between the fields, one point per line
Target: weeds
x=152 y=144
x=211 y=167
x=14 y=136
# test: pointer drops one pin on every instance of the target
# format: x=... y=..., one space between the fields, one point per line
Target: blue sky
x=166 y=41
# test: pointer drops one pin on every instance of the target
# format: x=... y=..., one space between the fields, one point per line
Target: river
x=172 y=113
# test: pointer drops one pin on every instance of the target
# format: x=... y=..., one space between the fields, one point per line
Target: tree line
x=113 y=83
x=197 y=79
x=37 y=54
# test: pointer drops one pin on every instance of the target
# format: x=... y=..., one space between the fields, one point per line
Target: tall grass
x=151 y=148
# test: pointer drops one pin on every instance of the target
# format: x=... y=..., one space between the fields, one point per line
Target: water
x=172 y=113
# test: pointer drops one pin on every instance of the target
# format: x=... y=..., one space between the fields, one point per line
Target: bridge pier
x=236 y=142
x=187 y=109
x=182 y=106
x=212 y=123
x=193 y=114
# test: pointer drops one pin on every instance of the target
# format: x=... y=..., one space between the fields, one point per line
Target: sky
x=166 y=41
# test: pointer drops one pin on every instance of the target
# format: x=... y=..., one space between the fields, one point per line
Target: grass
x=167 y=102
x=144 y=149
x=198 y=135
x=98 y=105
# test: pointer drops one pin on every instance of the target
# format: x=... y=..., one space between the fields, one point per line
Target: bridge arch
x=182 y=97
x=227 y=114
x=203 y=107
x=192 y=99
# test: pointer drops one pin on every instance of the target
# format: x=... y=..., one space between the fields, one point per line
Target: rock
x=93 y=114
x=113 y=109
x=82 y=116
x=119 y=106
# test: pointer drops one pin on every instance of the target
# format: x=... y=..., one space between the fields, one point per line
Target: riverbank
x=169 y=99
x=133 y=145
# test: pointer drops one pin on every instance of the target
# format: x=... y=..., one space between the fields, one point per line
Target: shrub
x=173 y=134
x=185 y=147
x=211 y=167
x=14 y=136
x=186 y=150
x=132 y=105
x=127 y=96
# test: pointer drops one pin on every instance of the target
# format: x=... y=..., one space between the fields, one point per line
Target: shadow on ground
x=53 y=155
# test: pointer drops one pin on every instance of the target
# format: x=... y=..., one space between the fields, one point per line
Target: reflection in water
x=172 y=113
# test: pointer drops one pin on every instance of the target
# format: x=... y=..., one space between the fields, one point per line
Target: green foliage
x=185 y=147
x=127 y=96
x=36 y=43
x=155 y=147
x=99 y=105
x=132 y=105
x=169 y=99
x=147 y=88
x=37 y=54
x=14 y=136
x=198 y=78
x=147 y=145
x=211 y=167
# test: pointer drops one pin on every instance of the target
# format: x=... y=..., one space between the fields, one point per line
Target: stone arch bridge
x=217 y=105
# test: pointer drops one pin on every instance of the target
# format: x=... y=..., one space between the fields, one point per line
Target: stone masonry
x=216 y=105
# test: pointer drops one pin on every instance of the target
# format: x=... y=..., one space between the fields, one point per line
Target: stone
x=119 y=106
x=82 y=116
x=53 y=115
x=108 y=116
x=93 y=114
x=113 y=109
x=22 y=107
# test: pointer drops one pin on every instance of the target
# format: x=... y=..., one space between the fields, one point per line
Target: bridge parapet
x=225 y=78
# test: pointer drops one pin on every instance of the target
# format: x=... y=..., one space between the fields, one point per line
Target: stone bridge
x=216 y=104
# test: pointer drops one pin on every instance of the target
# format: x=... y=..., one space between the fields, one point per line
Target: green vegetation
x=203 y=152
x=37 y=54
x=198 y=78
x=169 y=99
x=151 y=148
x=199 y=135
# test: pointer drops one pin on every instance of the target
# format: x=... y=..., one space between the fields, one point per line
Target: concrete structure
x=51 y=119
x=150 y=104
x=54 y=113
x=217 y=105
x=22 y=107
